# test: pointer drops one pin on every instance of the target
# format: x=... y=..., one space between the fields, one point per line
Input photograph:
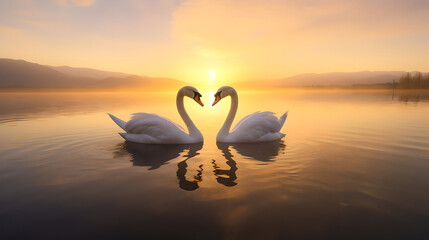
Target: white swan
x=154 y=129
x=256 y=127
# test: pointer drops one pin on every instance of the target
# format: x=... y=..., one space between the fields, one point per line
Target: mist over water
x=354 y=164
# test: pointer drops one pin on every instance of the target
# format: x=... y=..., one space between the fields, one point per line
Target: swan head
x=193 y=93
x=223 y=92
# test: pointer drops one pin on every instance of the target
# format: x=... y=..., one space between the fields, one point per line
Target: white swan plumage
x=151 y=128
x=256 y=127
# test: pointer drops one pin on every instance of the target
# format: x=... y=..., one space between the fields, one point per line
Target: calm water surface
x=354 y=164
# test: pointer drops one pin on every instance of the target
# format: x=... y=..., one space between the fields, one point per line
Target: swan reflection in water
x=261 y=151
x=156 y=155
x=223 y=176
x=182 y=168
x=264 y=151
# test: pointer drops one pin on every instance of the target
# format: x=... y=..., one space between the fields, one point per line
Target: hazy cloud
x=78 y=3
x=225 y=27
x=240 y=39
x=5 y=30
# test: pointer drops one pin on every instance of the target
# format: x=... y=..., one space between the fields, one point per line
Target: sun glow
x=212 y=75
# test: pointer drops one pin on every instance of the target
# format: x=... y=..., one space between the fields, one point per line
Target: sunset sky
x=193 y=40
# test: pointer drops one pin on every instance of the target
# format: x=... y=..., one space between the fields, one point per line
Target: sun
x=212 y=75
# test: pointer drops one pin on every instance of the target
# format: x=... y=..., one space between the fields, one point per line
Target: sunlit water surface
x=354 y=164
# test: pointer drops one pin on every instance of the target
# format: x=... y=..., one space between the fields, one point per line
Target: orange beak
x=198 y=100
x=217 y=99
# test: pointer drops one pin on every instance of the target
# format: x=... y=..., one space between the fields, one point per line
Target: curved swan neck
x=192 y=129
x=224 y=131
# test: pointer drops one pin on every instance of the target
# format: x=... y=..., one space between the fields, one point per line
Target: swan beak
x=198 y=100
x=217 y=99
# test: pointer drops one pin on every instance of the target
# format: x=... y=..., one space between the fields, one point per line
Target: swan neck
x=224 y=131
x=192 y=129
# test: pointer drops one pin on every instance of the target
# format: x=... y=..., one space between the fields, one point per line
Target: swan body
x=151 y=128
x=256 y=127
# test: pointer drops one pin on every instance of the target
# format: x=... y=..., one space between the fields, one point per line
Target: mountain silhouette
x=23 y=74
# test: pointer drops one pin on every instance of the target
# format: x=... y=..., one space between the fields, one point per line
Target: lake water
x=353 y=165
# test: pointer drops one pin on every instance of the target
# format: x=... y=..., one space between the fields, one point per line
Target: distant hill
x=22 y=74
x=341 y=79
x=87 y=72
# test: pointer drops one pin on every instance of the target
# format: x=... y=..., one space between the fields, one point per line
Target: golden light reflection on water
x=343 y=149
x=313 y=117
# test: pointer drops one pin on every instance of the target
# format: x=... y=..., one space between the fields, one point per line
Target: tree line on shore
x=414 y=80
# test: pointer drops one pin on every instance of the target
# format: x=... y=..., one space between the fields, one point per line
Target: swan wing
x=152 y=128
x=151 y=124
x=257 y=127
x=244 y=119
x=148 y=115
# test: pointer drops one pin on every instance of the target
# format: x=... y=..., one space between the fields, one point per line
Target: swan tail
x=124 y=135
x=118 y=121
x=283 y=119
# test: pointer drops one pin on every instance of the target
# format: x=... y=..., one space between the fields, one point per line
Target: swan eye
x=218 y=94
x=197 y=94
